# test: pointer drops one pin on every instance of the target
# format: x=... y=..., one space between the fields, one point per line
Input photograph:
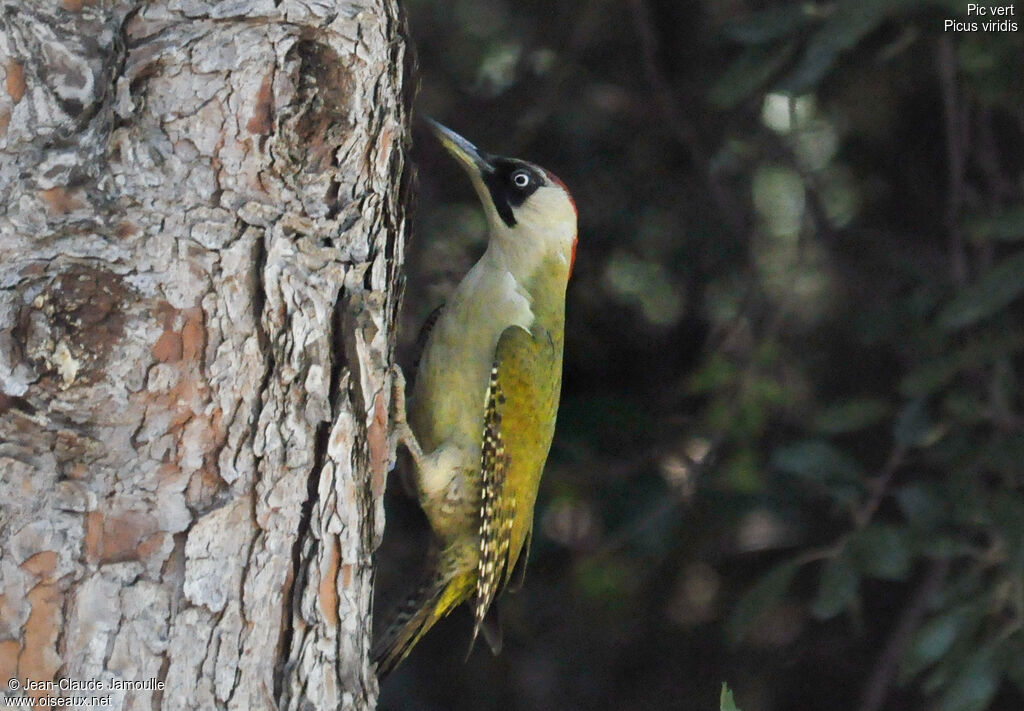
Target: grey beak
x=464 y=151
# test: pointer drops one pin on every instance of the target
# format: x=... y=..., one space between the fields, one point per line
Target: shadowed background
x=790 y=451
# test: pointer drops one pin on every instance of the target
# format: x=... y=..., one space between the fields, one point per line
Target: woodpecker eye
x=510 y=183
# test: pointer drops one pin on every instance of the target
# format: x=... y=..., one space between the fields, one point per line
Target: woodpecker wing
x=517 y=575
x=421 y=338
x=517 y=434
x=496 y=509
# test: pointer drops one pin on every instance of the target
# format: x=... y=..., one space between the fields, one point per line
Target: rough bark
x=198 y=285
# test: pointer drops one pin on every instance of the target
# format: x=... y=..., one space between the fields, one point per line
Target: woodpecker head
x=529 y=210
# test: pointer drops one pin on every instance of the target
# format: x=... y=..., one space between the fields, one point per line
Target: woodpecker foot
x=401 y=433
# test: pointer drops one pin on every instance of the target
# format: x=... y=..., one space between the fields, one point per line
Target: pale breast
x=451 y=384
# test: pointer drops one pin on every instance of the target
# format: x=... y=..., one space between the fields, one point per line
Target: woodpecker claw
x=401 y=433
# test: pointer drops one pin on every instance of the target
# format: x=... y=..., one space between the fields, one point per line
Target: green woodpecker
x=482 y=411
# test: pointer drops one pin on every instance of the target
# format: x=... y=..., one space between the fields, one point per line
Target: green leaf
x=1015 y=671
x=768 y=25
x=816 y=460
x=932 y=641
x=767 y=593
x=922 y=504
x=912 y=428
x=1005 y=226
x=996 y=288
x=837 y=589
x=607 y=583
x=851 y=21
x=967 y=406
x=1007 y=510
x=974 y=686
x=743 y=471
x=748 y=73
x=850 y=415
x=934 y=375
x=1004 y=454
x=726 y=702
x=718 y=373
x=942 y=546
x=881 y=551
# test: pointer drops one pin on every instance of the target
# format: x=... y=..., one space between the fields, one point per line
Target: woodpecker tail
x=409 y=621
x=437 y=595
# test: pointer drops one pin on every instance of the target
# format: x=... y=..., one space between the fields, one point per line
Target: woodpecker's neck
x=524 y=250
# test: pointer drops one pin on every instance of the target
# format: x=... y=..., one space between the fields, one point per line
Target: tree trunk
x=198 y=284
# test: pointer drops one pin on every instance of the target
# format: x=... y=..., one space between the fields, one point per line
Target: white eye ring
x=521 y=178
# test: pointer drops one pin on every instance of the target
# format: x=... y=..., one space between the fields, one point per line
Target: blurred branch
x=1001 y=190
x=877 y=688
x=956 y=149
x=863 y=514
x=812 y=555
x=664 y=94
x=988 y=159
x=879 y=487
x=957 y=126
